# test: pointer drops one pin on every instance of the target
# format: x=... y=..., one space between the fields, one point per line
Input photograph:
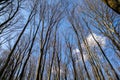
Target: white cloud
x=92 y=42
x=85 y=56
x=77 y=55
x=76 y=51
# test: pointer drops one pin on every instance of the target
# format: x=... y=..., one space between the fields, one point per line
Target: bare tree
x=59 y=40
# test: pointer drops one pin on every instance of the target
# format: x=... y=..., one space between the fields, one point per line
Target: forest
x=59 y=39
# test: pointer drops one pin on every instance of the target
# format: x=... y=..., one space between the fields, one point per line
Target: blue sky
x=65 y=30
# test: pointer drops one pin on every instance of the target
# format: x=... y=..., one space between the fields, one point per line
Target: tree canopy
x=113 y=4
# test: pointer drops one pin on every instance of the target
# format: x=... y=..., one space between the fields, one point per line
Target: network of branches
x=59 y=40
